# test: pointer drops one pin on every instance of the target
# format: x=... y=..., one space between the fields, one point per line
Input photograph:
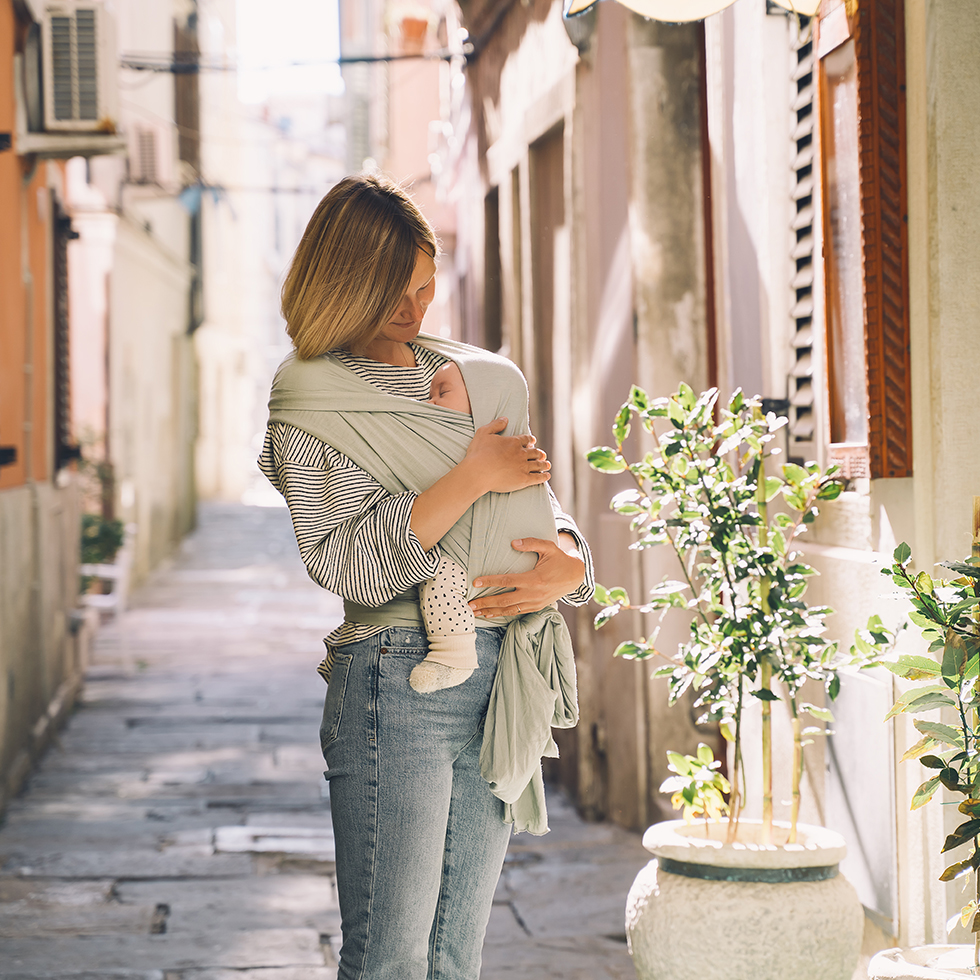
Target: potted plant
x=948 y=614
x=704 y=492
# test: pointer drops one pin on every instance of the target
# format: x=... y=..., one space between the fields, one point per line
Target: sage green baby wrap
x=408 y=445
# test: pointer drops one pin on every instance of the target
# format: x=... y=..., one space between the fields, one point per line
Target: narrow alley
x=179 y=830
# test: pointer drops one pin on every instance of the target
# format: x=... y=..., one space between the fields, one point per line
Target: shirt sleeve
x=353 y=536
x=564 y=522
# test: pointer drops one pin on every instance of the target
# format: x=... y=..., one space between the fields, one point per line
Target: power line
x=166 y=63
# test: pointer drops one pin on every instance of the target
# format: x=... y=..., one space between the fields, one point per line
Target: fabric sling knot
x=407 y=445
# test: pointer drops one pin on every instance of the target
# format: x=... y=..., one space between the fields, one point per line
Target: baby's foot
x=429 y=676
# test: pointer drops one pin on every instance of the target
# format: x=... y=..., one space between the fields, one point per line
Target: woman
x=378 y=483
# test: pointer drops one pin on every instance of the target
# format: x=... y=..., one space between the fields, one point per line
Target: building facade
x=763 y=201
x=135 y=285
x=42 y=637
x=100 y=297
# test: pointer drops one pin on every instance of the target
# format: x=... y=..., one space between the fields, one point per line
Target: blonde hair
x=353 y=265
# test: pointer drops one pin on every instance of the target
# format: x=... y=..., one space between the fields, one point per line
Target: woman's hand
x=505 y=463
x=558 y=572
x=492 y=462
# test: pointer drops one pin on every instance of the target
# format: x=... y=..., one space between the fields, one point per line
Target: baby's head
x=449 y=390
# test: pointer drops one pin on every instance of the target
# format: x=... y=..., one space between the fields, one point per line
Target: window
x=842 y=252
x=801 y=420
x=862 y=76
x=492 y=289
x=547 y=213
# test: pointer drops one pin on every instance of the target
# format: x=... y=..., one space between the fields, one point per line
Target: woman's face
x=404 y=325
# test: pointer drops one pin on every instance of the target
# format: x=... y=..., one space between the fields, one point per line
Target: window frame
x=878 y=30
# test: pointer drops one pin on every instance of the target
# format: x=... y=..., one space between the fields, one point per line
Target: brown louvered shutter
x=880 y=42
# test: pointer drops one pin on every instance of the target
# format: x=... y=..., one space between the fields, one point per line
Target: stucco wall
x=42 y=643
x=620 y=259
x=152 y=388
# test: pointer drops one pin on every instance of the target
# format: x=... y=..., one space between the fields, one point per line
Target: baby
x=449 y=621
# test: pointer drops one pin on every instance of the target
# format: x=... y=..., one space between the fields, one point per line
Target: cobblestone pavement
x=180 y=829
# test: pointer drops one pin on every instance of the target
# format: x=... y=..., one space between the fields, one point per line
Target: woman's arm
x=563 y=571
x=365 y=544
x=492 y=463
x=580 y=548
x=353 y=536
x=558 y=573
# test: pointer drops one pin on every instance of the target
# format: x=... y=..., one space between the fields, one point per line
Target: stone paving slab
x=87 y=975
x=50 y=908
x=582 y=958
x=287 y=973
x=27 y=923
x=195 y=862
x=281 y=901
x=231 y=950
x=559 y=908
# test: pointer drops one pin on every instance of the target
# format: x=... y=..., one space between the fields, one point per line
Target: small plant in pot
x=948 y=614
x=705 y=493
x=101 y=541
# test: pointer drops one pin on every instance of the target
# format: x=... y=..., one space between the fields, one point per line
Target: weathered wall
x=931 y=510
x=41 y=644
x=135 y=403
x=152 y=391
x=596 y=160
x=944 y=208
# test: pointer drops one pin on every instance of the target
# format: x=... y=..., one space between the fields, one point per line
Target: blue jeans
x=420 y=838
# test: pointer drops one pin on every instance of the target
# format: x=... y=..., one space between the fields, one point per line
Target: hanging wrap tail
x=407 y=446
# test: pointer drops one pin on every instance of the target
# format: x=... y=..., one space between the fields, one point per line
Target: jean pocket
x=412 y=652
x=333 y=703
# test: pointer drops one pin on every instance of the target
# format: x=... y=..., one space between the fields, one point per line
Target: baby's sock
x=451 y=628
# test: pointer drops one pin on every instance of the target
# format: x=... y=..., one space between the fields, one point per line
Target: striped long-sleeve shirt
x=353 y=535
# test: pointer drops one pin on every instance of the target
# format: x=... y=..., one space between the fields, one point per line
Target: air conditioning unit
x=78 y=68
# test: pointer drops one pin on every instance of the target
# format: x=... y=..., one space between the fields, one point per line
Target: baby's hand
x=506 y=463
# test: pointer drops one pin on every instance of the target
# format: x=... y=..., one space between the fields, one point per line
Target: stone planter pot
x=749 y=911
x=937 y=962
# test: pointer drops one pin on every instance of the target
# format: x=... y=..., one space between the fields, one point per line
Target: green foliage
x=101 y=539
x=697 y=786
x=948 y=615
x=704 y=492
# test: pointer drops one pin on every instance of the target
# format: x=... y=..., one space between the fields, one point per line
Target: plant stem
x=735 y=800
x=976 y=935
x=680 y=561
x=765 y=684
x=680 y=558
x=765 y=671
x=797 y=768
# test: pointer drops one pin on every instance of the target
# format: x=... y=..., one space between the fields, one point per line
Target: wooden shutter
x=879 y=33
x=64 y=448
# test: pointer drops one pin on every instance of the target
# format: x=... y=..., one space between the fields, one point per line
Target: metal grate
x=61 y=73
x=86 y=57
x=74 y=67
x=802 y=123
x=144 y=166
